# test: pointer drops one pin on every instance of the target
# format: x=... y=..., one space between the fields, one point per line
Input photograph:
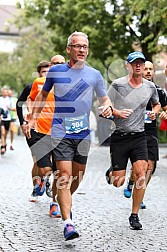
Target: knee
x=118 y=182
x=63 y=182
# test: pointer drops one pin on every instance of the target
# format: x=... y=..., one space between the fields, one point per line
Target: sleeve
x=162 y=97
x=100 y=89
x=34 y=91
x=112 y=92
x=21 y=100
x=154 y=97
x=49 y=81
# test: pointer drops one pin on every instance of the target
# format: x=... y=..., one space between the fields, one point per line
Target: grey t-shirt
x=124 y=96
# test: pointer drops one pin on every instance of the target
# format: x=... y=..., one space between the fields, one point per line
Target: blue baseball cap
x=135 y=55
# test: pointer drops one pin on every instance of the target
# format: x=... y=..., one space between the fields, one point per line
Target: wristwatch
x=24 y=123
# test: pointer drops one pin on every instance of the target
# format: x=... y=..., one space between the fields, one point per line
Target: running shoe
x=142 y=206
x=40 y=187
x=70 y=233
x=49 y=192
x=3 y=150
x=127 y=192
x=134 y=222
x=34 y=196
x=54 y=211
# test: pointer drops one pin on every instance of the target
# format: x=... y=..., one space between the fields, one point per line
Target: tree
x=112 y=33
x=142 y=23
x=34 y=45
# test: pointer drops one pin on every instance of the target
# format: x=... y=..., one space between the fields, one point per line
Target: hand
x=124 y=113
x=106 y=111
x=151 y=115
x=29 y=126
x=163 y=115
x=23 y=128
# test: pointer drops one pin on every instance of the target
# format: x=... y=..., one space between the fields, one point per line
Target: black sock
x=134 y=215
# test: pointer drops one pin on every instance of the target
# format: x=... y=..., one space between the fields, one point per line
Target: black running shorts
x=152 y=145
x=6 y=124
x=124 y=147
x=68 y=149
x=41 y=148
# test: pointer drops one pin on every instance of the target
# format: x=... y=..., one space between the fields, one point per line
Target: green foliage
x=34 y=46
x=113 y=32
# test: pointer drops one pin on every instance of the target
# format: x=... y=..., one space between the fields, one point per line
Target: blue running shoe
x=70 y=233
x=142 y=206
x=54 y=210
x=127 y=192
x=40 y=187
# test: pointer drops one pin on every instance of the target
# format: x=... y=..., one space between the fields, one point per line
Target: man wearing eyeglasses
x=74 y=85
x=129 y=140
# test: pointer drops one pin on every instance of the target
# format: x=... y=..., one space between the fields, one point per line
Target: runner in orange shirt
x=42 y=148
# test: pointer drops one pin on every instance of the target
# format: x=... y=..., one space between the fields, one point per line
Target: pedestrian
x=13 y=114
x=74 y=84
x=2 y=114
x=151 y=132
x=128 y=140
x=6 y=120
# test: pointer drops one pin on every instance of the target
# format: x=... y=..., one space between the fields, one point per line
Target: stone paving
x=100 y=211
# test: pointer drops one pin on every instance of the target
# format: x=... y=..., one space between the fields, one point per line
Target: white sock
x=68 y=221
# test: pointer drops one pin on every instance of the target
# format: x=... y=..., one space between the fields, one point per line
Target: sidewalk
x=100 y=211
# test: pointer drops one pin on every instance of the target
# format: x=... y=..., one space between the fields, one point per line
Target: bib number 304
x=76 y=124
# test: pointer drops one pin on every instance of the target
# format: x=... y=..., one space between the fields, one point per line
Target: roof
x=7 y=13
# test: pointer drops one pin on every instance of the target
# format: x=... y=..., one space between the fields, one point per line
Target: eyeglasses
x=78 y=47
x=55 y=63
x=138 y=62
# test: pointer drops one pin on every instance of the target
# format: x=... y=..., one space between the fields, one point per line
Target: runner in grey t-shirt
x=123 y=95
x=129 y=141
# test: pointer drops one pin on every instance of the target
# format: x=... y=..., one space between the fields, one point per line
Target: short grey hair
x=69 y=41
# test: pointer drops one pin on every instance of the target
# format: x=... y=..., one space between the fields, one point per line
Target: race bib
x=76 y=124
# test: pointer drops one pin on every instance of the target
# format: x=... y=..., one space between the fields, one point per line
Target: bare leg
x=139 y=172
x=63 y=188
x=34 y=173
x=11 y=133
x=78 y=171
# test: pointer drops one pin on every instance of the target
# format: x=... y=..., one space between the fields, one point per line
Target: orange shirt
x=44 y=120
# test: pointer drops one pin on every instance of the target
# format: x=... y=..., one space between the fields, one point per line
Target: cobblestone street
x=100 y=211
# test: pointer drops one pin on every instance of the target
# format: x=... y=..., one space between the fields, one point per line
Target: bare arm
x=36 y=109
x=106 y=106
x=109 y=110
